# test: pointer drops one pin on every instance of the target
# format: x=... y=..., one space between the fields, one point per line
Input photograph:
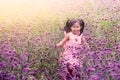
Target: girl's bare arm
x=85 y=43
x=63 y=41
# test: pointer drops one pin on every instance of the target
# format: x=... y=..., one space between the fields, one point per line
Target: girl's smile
x=76 y=28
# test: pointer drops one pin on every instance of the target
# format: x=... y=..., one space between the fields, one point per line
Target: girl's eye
x=73 y=26
x=77 y=26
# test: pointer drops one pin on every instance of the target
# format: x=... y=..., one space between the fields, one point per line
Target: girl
x=72 y=42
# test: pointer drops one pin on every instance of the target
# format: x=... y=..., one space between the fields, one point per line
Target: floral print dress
x=72 y=53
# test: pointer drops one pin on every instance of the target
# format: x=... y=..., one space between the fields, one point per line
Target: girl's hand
x=63 y=41
x=56 y=46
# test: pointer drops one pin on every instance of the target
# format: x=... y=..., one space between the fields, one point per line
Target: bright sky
x=6 y=4
x=25 y=9
x=10 y=8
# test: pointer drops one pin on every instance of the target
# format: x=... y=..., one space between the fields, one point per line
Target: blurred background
x=30 y=29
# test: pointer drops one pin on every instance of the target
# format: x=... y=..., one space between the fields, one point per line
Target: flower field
x=28 y=37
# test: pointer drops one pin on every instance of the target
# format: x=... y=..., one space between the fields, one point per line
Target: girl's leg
x=70 y=69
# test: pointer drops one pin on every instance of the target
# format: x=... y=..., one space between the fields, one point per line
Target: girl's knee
x=70 y=69
x=69 y=66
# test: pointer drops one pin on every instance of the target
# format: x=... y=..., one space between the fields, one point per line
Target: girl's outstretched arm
x=63 y=41
x=85 y=43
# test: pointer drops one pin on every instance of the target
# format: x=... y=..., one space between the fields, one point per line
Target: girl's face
x=76 y=28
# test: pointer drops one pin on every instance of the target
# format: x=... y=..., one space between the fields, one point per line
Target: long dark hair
x=71 y=22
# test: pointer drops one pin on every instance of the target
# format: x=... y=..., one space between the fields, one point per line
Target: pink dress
x=72 y=52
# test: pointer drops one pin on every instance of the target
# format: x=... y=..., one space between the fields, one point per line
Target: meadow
x=30 y=31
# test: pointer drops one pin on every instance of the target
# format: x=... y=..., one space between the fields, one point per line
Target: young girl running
x=72 y=42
